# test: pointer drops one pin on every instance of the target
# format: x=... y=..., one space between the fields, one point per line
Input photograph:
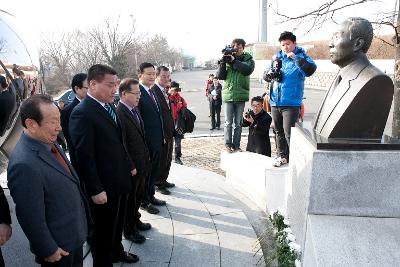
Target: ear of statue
x=359 y=44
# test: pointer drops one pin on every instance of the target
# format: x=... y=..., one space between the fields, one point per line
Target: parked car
x=68 y=96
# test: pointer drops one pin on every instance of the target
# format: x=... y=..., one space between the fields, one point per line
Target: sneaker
x=218 y=128
x=279 y=162
x=238 y=149
x=178 y=161
x=212 y=129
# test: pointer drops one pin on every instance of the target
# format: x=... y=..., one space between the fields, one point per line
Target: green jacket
x=237 y=78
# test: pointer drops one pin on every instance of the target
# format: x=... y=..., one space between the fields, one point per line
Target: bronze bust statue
x=358 y=102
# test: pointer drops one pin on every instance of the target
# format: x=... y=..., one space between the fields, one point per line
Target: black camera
x=274 y=74
x=228 y=51
x=249 y=113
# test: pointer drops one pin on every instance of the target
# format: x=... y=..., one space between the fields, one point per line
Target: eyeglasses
x=134 y=93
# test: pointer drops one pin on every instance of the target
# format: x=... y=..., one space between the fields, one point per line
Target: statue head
x=351 y=40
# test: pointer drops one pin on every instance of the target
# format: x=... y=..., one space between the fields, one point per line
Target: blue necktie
x=111 y=112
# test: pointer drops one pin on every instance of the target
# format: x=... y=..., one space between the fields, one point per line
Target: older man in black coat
x=134 y=137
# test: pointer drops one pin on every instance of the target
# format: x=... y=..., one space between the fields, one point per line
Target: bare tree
x=115 y=46
x=326 y=12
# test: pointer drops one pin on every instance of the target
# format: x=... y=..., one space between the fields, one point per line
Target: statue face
x=341 y=47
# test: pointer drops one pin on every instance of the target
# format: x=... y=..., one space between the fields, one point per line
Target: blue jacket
x=289 y=91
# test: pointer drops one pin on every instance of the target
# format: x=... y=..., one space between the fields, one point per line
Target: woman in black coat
x=258 y=122
x=214 y=95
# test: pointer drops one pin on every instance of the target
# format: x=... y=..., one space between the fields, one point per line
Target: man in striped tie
x=104 y=165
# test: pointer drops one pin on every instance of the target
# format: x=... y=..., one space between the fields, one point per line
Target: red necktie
x=59 y=158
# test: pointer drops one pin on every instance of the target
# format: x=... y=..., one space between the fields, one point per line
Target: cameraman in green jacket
x=235 y=68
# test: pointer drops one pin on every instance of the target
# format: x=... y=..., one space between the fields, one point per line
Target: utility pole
x=262 y=21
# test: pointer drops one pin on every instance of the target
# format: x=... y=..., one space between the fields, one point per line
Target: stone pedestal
x=344 y=205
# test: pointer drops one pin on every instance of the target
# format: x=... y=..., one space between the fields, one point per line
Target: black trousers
x=108 y=221
x=284 y=118
x=165 y=161
x=178 y=146
x=74 y=259
x=150 y=191
x=133 y=204
x=215 y=112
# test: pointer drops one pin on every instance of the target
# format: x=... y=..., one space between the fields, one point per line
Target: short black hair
x=211 y=75
x=161 y=68
x=3 y=82
x=78 y=80
x=239 y=41
x=98 y=71
x=125 y=85
x=145 y=65
x=287 y=36
x=175 y=85
x=257 y=99
x=30 y=108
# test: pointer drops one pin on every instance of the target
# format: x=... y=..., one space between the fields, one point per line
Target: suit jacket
x=103 y=162
x=65 y=114
x=168 y=121
x=358 y=105
x=5 y=216
x=135 y=141
x=153 y=125
x=49 y=203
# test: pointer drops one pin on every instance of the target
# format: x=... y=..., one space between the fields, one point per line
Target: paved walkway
x=202 y=225
x=205 y=223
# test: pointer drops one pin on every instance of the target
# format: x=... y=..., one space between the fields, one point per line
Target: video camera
x=249 y=113
x=274 y=74
x=228 y=51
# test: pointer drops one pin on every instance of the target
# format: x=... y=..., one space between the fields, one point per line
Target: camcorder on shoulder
x=228 y=51
x=274 y=74
x=249 y=113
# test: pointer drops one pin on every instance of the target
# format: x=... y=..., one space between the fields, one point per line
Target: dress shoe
x=150 y=209
x=163 y=190
x=125 y=257
x=213 y=128
x=218 y=128
x=158 y=202
x=135 y=237
x=169 y=185
x=143 y=226
x=178 y=161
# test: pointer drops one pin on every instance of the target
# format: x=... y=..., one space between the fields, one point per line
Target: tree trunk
x=396 y=101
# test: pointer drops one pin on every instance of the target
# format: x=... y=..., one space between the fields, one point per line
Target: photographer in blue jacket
x=289 y=67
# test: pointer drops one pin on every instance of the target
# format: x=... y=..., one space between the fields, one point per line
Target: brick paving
x=204 y=152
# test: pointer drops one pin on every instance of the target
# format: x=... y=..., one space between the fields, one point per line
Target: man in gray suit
x=49 y=203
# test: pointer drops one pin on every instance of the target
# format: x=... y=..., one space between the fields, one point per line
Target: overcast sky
x=201 y=27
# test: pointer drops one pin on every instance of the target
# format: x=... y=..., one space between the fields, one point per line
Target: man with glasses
x=79 y=86
x=258 y=122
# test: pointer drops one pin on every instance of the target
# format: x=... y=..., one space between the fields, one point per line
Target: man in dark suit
x=5 y=223
x=79 y=86
x=103 y=164
x=133 y=134
x=150 y=111
x=49 y=203
x=160 y=89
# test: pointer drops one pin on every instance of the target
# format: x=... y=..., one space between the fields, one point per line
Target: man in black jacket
x=258 y=122
x=150 y=110
x=79 y=86
x=215 y=98
x=103 y=165
x=134 y=137
x=161 y=89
